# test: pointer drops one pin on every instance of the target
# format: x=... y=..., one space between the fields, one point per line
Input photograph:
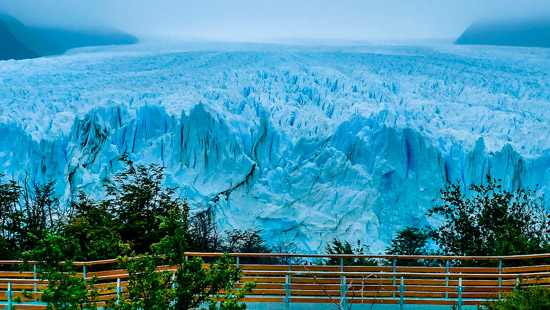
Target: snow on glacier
x=304 y=142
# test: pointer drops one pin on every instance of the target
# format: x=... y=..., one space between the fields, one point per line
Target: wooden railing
x=446 y=281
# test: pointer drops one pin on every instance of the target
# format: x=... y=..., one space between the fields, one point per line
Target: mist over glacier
x=306 y=143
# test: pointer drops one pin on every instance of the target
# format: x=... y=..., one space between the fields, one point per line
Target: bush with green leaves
x=27 y=211
x=11 y=219
x=247 y=241
x=152 y=286
x=524 y=298
x=93 y=226
x=344 y=247
x=193 y=284
x=409 y=241
x=136 y=198
x=147 y=288
x=64 y=291
x=489 y=220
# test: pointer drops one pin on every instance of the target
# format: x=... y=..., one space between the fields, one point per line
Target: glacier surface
x=306 y=143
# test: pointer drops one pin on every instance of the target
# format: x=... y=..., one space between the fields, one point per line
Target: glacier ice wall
x=305 y=143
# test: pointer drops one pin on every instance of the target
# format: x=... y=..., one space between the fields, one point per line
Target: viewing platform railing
x=296 y=278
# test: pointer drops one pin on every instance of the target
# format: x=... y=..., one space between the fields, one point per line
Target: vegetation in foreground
x=143 y=220
x=524 y=298
x=484 y=221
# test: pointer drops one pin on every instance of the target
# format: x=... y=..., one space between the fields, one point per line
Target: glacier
x=306 y=143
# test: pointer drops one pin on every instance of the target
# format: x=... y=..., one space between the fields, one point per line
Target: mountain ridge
x=24 y=42
x=528 y=33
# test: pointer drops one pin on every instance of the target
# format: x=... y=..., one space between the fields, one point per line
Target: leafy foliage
x=11 y=219
x=409 y=241
x=93 y=226
x=525 y=298
x=143 y=217
x=194 y=285
x=206 y=236
x=137 y=200
x=153 y=287
x=65 y=291
x=148 y=288
x=247 y=241
x=491 y=221
x=197 y=285
x=344 y=247
x=27 y=211
x=287 y=246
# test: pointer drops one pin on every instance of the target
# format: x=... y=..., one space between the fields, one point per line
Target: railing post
x=499 y=279
x=84 y=272
x=286 y=286
x=459 y=289
x=9 y=293
x=175 y=286
x=237 y=261
x=394 y=271
x=343 y=286
x=35 y=278
x=447 y=280
x=343 y=292
x=401 y=293
x=118 y=290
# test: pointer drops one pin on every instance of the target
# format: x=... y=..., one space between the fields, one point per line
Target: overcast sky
x=268 y=20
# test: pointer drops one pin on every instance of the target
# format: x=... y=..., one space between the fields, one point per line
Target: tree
x=338 y=247
x=93 y=226
x=152 y=287
x=148 y=287
x=247 y=241
x=491 y=221
x=40 y=212
x=11 y=219
x=138 y=198
x=193 y=284
x=409 y=241
x=197 y=285
x=287 y=246
x=206 y=236
x=54 y=256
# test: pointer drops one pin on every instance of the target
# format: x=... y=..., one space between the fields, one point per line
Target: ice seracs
x=353 y=142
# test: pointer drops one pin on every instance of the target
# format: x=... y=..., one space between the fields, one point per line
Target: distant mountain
x=67 y=39
x=11 y=47
x=18 y=41
x=530 y=33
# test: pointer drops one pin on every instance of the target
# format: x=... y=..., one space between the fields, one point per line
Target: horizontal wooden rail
x=389 y=257
x=320 y=256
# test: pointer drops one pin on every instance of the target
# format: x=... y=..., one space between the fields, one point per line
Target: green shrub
x=65 y=291
x=489 y=220
x=525 y=298
x=337 y=247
